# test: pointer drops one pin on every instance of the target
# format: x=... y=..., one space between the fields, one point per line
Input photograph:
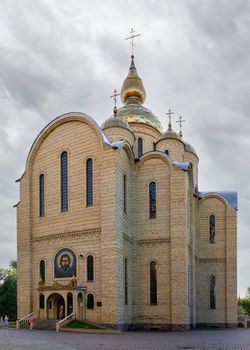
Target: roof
x=183 y=166
x=230 y=196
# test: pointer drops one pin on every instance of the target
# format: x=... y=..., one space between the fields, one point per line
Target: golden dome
x=135 y=112
x=133 y=85
x=133 y=95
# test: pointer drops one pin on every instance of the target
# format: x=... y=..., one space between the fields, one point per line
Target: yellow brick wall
x=177 y=239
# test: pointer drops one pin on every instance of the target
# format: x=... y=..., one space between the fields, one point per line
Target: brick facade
x=177 y=239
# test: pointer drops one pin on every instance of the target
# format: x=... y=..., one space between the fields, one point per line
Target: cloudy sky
x=193 y=55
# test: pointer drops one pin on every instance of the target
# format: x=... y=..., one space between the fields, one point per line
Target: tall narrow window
x=90 y=301
x=125 y=194
x=152 y=200
x=41 y=301
x=42 y=271
x=212 y=229
x=140 y=147
x=41 y=195
x=153 y=283
x=89 y=182
x=167 y=152
x=126 y=281
x=90 y=268
x=64 y=181
x=212 y=296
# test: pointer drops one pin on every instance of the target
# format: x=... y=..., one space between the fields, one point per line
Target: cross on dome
x=115 y=100
x=169 y=114
x=180 y=121
x=132 y=36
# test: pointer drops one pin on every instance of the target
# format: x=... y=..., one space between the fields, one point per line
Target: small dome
x=115 y=122
x=189 y=148
x=133 y=85
x=170 y=134
x=135 y=112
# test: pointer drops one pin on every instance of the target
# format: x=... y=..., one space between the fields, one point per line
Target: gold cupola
x=133 y=95
x=133 y=85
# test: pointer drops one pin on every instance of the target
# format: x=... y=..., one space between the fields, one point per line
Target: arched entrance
x=80 y=306
x=69 y=303
x=55 y=306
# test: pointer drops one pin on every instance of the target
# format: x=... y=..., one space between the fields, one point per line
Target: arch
x=41 y=301
x=212 y=292
x=90 y=268
x=89 y=182
x=62 y=119
x=212 y=228
x=42 y=271
x=64 y=181
x=214 y=195
x=80 y=306
x=152 y=199
x=140 y=147
x=153 y=283
x=69 y=303
x=41 y=195
x=156 y=154
x=90 y=301
x=55 y=306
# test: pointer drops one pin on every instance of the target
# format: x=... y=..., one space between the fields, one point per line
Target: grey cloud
x=58 y=57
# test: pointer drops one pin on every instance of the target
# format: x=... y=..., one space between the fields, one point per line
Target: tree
x=8 y=291
x=248 y=293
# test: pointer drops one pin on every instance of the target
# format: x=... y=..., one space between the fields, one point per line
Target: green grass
x=81 y=324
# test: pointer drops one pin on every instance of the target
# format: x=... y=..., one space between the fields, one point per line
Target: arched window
x=89 y=181
x=152 y=200
x=167 y=152
x=42 y=271
x=41 y=301
x=69 y=304
x=90 y=268
x=212 y=296
x=126 y=281
x=140 y=147
x=41 y=195
x=64 y=181
x=153 y=283
x=90 y=301
x=211 y=229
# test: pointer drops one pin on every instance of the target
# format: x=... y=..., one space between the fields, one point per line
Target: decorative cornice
x=57 y=286
x=71 y=234
x=209 y=260
x=154 y=241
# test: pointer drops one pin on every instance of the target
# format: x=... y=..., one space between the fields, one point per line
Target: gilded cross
x=169 y=114
x=180 y=121
x=114 y=97
x=132 y=36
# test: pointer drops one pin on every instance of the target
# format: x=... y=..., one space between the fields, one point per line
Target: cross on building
x=115 y=100
x=132 y=36
x=180 y=121
x=169 y=114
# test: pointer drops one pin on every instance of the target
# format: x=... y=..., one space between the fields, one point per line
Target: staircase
x=49 y=325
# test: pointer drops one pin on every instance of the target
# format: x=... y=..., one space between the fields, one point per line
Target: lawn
x=81 y=324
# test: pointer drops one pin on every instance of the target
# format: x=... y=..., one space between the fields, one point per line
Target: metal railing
x=24 y=322
x=64 y=321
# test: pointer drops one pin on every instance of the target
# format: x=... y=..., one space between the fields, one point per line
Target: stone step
x=49 y=325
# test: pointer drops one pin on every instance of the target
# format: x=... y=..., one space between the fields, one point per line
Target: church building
x=112 y=226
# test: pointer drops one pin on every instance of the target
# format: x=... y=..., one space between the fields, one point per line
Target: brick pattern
x=177 y=239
